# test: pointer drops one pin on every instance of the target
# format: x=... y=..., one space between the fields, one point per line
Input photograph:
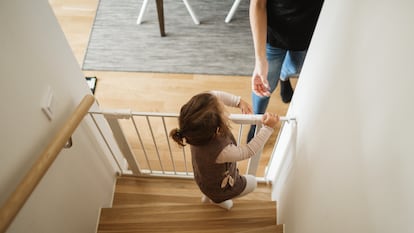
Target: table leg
x=160 y=12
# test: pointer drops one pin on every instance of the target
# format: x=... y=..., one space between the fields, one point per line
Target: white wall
x=352 y=170
x=35 y=55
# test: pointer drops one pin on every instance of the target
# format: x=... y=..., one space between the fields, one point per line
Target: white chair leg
x=232 y=11
x=190 y=10
x=142 y=11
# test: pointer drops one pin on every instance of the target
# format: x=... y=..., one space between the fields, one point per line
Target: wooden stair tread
x=139 y=190
x=122 y=199
x=154 y=200
x=266 y=229
x=238 y=204
x=201 y=227
x=160 y=185
x=189 y=217
x=185 y=225
x=166 y=185
x=174 y=205
x=223 y=228
x=243 y=209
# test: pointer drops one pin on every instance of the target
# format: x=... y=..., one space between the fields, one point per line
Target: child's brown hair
x=201 y=119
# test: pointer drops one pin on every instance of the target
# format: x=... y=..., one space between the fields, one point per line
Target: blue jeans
x=282 y=63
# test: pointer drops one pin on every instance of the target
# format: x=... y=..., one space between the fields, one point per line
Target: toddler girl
x=204 y=125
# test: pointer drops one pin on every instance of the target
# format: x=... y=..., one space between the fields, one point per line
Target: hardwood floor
x=149 y=92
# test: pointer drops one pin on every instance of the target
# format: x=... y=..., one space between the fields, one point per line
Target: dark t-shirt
x=291 y=22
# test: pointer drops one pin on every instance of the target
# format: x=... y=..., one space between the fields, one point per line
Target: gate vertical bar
x=122 y=141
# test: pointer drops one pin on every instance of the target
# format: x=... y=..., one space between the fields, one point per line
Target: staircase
x=172 y=205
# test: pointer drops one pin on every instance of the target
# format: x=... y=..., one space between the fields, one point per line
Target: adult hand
x=260 y=85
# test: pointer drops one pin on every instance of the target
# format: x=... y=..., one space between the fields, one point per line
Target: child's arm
x=227 y=98
x=233 y=153
x=233 y=101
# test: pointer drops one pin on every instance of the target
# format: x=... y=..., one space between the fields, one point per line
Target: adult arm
x=258 y=24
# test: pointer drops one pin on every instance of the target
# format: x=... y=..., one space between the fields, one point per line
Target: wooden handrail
x=18 y=198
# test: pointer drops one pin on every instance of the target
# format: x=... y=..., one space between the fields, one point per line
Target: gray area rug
x=117 y=43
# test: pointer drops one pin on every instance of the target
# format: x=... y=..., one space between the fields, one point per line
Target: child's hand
x=245 y=107
x=270 y=119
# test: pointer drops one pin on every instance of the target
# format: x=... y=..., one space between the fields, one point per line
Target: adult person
x=282 y=31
